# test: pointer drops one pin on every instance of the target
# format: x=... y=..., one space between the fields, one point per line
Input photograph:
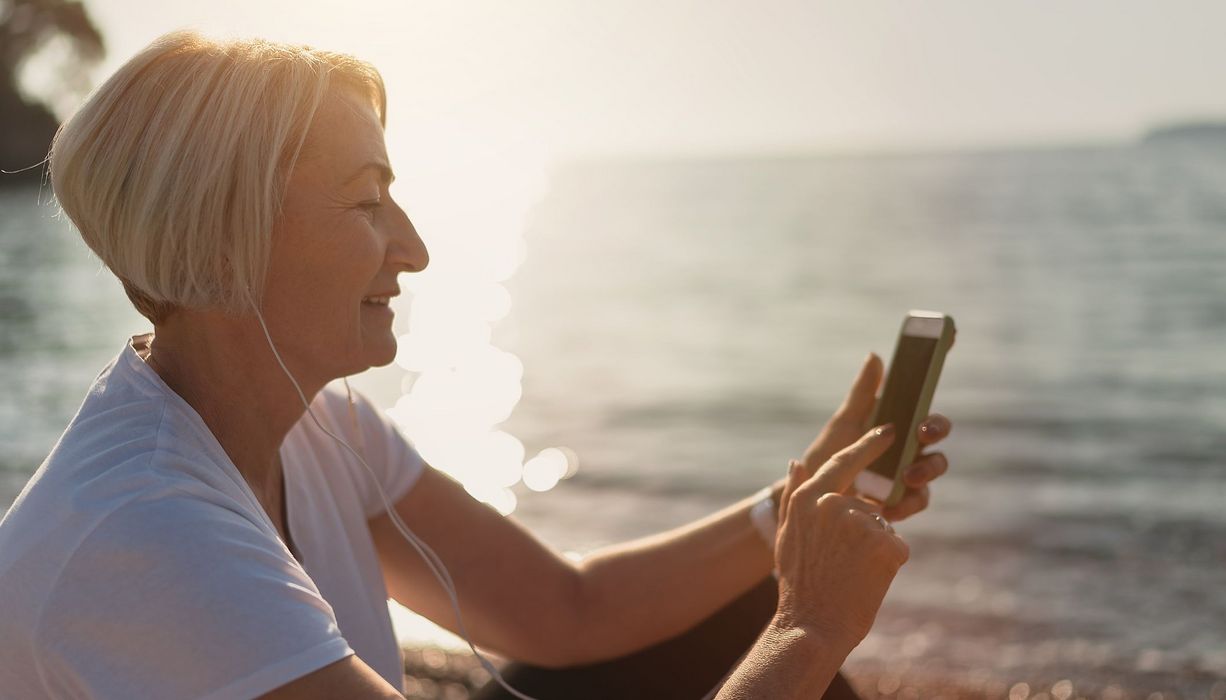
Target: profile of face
x=338 y=245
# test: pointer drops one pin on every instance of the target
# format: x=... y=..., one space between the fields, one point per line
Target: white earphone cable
x=427 y=554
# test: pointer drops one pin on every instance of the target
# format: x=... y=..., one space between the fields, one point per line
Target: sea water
x=685 y=326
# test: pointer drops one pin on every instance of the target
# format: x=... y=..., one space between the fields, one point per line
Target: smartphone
x=912 y=380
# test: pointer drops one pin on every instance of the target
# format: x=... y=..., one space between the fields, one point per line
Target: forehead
x=345 y=134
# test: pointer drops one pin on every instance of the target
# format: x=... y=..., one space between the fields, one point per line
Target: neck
x=224 y=369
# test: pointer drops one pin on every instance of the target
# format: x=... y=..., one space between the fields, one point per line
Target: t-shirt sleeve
x=181 y=597
x=391 y=456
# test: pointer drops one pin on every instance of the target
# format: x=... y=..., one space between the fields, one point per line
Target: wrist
x=786 y=663
x=816 y=636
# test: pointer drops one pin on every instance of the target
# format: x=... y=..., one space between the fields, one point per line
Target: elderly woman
x=212 y=523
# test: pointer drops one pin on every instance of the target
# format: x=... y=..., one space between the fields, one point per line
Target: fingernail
x=885 y=430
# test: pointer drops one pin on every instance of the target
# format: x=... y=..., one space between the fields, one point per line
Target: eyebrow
x=379 y=166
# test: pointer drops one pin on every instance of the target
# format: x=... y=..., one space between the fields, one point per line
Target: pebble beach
x=439 y=674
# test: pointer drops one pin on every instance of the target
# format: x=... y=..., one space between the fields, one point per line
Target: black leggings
x=685 y=667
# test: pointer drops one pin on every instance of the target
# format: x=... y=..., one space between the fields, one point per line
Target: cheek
x=345 y=275
x=320 y=271
x=344 y=259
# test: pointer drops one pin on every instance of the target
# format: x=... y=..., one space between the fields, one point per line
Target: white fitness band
x=764 y=518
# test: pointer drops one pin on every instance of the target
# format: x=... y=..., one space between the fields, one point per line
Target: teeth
x=382 y=301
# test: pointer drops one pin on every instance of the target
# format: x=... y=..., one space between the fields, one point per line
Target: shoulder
x=172 y=540
x=129 y=451
x=194 y=588
x=137 y=563
x=115 y=486
x=177 y=514
x=130 y=427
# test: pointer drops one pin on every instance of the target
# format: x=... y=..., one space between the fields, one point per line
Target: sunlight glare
x=546 y=469
x=461 y=387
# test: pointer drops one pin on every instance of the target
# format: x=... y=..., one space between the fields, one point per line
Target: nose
x=406 y=250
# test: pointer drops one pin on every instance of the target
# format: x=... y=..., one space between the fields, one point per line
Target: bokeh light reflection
x=546 y=469
x=460 y=387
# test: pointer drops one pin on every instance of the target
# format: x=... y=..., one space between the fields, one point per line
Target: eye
x=371 y=206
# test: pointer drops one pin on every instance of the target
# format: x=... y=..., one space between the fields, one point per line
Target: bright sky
x=562 y=77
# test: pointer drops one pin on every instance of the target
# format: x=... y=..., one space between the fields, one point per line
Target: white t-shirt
x=137 y=562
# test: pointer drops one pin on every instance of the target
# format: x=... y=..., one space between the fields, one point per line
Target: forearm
x=785 y=663
x=642 y=592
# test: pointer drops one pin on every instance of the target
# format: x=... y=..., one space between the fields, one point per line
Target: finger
x=795 y=478
x=862 y=397
x=912 y=502
x=871 y=506
x=925 y=469
x=902 y=551
x=838 y=473
x=934 y=429
x=863 y=506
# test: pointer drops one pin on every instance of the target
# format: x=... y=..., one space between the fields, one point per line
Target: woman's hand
x=835 y=556
x=851 y=420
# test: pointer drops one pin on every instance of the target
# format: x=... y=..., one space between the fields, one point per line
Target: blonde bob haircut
x=176 y=167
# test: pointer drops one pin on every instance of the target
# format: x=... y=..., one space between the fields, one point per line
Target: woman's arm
x=786 y=663
x=523 y=600
x=519 y=597
x=348 y=678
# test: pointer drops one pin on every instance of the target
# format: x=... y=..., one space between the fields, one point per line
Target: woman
x=197 y=533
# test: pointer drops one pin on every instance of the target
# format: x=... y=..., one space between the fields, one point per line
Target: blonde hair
x=176 y=167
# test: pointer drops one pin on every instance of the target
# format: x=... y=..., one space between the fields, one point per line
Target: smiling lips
x=381 y=299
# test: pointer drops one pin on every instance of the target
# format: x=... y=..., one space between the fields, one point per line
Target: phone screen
x=902 y=392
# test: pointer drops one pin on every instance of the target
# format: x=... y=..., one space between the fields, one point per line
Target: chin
x=380 y=354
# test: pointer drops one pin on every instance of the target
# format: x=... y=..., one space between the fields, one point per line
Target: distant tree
x=28 y=27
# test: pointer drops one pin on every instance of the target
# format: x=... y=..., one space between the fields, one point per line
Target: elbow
x=587 y=633
x=559 y=636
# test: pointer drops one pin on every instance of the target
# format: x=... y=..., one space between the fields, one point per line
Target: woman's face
x=338 y=246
